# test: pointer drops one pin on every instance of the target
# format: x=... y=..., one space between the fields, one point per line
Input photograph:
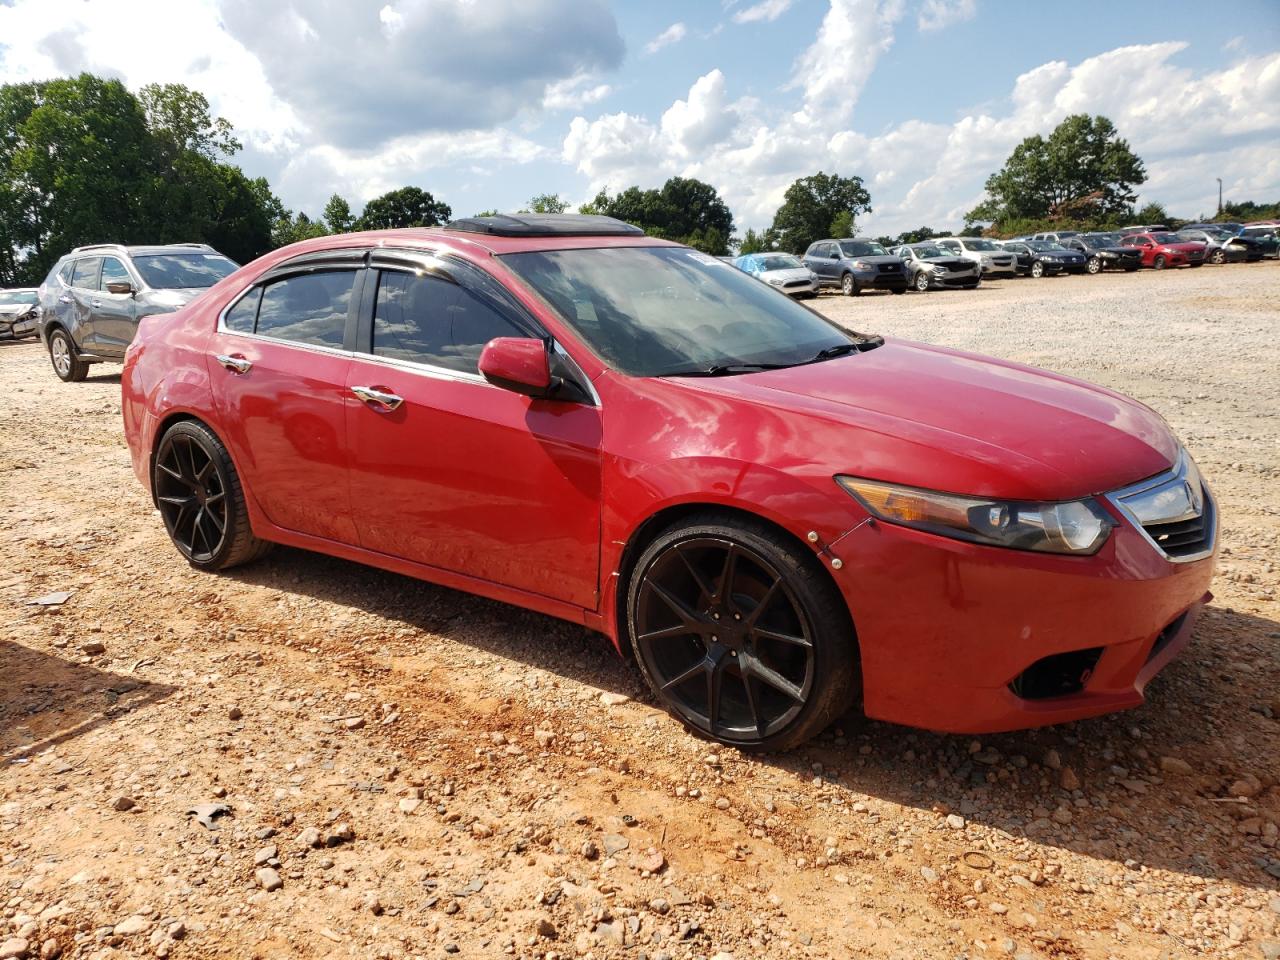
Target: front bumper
x=799 y=288
x=1000 y=270
x=948 y=630
x=877 y=280
x=12 y=328
x=959 y=279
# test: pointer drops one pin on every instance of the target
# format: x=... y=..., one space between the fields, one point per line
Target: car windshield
x=927 y=252
x=980 y=245
x=173 y=271
x=778 y=261
x=1044 y=245
x=1166 y=238
x=863 y=248
x=10 y=297
x=660 y=311
x=1099 y=239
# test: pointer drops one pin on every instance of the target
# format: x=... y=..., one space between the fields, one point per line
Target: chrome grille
x=1174 y=510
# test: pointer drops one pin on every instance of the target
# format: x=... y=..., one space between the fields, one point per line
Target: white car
x=780 y=270
x=991 y=258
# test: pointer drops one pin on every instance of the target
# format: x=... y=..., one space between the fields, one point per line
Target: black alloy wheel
x=201 y=500
x=740 y=637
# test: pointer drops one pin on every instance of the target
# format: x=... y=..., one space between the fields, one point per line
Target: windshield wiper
x=861 y=345
x=726 y=369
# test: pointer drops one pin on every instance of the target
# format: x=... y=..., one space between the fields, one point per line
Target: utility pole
x=1219 y=179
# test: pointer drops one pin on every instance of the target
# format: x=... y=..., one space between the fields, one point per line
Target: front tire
x=1037 y=269
x=201 y=499
x=740 y=633
x=849 y=286
x=66 y=362
x=902 y=289
x=1094 y=265
x=922 y=282
x=1218 y=256
x=1159 y=262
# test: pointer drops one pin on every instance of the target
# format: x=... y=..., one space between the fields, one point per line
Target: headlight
x=939 y=268
x=1076 y=526
x=861 y=265
x=776 y=281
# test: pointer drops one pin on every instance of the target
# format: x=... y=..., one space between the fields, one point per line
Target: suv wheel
x=1094 y=265
x=66 y=363
x=740 y=633
x=201 y=501
x=922 y=282
x=849 y=286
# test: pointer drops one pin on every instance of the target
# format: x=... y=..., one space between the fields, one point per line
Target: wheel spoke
x=693 y=572
x=214 y=519
x=666 y=633
x=687 y=616
x=702 y=666
x=715 y=679
x=196 y=528
x=774 y=679
x=749 y=684
x=769 y=594
x=177 y=501
x=171 y=472
x=767 y=634
x=728 y=573
x=204 y=472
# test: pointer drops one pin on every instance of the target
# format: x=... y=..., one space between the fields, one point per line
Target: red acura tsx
x=777 y=517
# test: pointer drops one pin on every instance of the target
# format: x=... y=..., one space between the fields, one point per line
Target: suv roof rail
x=202 y=246
x=545 y=225
x=98 y=246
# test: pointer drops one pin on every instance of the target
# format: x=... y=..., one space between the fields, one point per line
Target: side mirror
x=518 y=364
x=122 y=286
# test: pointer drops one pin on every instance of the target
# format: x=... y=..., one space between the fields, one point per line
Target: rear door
x=453 y=471
x=114 y=314
x=78 y=302
x=278 y=367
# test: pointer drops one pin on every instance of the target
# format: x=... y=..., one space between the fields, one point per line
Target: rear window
x=179 y=271
x=311 y=308
x=85 y=274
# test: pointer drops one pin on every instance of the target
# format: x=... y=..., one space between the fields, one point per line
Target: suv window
x=434 y=321
x=113 y=271
x=85 y=274
x=64 y=274
x=310 y=308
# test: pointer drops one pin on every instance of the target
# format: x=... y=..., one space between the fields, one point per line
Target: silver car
x=991 y=259
x=19 y=308
x=781 y=270
x=93 y=298
x=929 y=267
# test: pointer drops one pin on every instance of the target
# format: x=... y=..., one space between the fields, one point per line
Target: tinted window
x=661 y=311
x=64 y=274
x=177 y=271
x=113 y=271
x=982 y=245
x=863 y=248
x=430 y=320
x=242 y=317
x=311 y=308
x=86 y=274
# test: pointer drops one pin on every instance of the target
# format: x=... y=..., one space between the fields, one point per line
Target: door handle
x=237 y=364
x=64 y=299
x=387 y=401
x=95 y=303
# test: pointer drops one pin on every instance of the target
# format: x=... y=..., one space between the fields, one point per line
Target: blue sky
x=486 y=104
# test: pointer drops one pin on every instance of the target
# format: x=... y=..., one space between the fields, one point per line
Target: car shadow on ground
x=1205 y=709
x=46 y=700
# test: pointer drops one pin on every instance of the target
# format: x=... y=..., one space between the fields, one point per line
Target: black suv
x=93 y=298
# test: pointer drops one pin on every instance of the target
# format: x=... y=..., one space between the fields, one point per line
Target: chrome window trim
x=1176 y=474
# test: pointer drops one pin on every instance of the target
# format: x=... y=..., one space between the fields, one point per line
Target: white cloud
x=574 y=93
x=673 y=34
x=940 y=14
x=704 y=119
x=766 y=11
x=834 y=69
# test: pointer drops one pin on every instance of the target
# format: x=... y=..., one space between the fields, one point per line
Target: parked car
x=19 y=308
x=1105 y=251
x=1143 y=228
x=562 y=413
x=856 y=265
x=781 y=270
x=1039 y=258
x=93 y=298
x=929 y=267
x=1057 y=236
x=1160 y=250
x=991 y=260
x=1223 y=246
x=1266 y=237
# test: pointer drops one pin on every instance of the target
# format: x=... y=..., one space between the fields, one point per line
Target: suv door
x=115 y=315
x=452 y=471
x=278 y=366
x=78 y=301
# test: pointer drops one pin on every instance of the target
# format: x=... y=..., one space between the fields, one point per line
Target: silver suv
x=93 y=298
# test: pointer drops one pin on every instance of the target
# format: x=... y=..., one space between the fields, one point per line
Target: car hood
x=791 y=273
x=927 y=416
x=951 y=263
x=877 y=259
x=15 y=309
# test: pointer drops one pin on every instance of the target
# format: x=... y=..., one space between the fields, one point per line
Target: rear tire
x=66 y=361
x=201 y=499
x=740 y=633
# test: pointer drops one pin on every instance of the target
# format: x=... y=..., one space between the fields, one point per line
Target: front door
x=115 y=315
x=78 y=302
x=278 y=366
x=451 y=471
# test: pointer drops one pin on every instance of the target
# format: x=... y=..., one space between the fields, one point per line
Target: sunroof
x=546 y=225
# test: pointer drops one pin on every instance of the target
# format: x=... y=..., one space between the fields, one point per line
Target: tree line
x=84 y=160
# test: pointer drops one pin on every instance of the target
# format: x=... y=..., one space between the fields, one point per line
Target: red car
x=775 y=516
x=1160 y=250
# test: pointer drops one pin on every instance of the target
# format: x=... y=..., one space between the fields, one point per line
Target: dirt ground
x=412 y=772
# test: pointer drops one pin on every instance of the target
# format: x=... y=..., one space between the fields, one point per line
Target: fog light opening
x=1060 y=675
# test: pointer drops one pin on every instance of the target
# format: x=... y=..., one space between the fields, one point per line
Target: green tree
x=842 y=226
x=1083 y=171
x=547 y=203
x=1151 y=212
x=753 y=242
x=488 y=213
x=918 y=235
x=683 y=209
x=179 y=117
x=338 y=216
x=292 y=228
x=810 y=207
x=406 y=207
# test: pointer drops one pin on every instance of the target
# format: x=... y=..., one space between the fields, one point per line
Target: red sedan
x=1161 y=250
x=776 y=516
